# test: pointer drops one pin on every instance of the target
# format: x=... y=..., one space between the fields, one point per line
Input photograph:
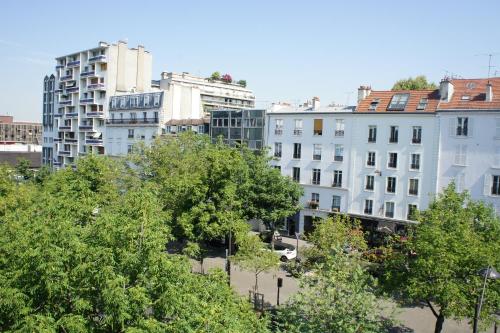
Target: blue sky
x=286 y=50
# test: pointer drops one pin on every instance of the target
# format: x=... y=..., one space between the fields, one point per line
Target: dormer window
x=465 y=97
x=374 y=104
x=422 y=104
x=398 y=102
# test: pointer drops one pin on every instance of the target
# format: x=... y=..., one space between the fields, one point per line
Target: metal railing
x=132 y=121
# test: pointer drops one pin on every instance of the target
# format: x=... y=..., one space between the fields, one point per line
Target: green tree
x=339 y=295
x=269 y=196
x=439 y=265
x=215 y=76
x=242 y=83
x=254 y=257
x=416 y=83
x=88 y=254
x=23 y=169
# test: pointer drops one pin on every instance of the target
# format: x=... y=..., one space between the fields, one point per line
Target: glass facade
x=237 y=127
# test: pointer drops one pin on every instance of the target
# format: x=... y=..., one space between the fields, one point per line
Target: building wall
x=482 y=153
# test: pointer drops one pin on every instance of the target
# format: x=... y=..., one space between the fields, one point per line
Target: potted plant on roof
x=227 y=78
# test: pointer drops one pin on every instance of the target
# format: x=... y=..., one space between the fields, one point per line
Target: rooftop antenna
x=490 y=55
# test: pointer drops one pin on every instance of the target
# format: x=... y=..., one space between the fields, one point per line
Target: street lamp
x=487 y=273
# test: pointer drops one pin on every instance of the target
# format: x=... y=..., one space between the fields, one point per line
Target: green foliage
x=439 y=264
x=242 y=83
x=23 y=169
x=338 y=295
x=86 y=252
x=215 y=76
x=417 y=83
x=254 y=257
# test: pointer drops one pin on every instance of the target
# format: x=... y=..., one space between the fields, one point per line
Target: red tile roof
x=385 y=97
x=476 y=90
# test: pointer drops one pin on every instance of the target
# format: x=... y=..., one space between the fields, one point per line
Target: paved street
x=413 y=319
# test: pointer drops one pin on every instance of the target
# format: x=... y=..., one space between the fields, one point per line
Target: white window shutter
x=487 y=184
x=452 y=129
x=471 y=127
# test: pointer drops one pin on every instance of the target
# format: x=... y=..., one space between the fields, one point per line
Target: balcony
x=71 y=114
x=312 y=205
x=65 y=128
x=278 y=131
x=87 y=100
x=71 y=140
x=96 y=86
x=99 y=58
x=72 y=89
x=337 y=184
x=58 y=91
x=59 y=66
x=64 y=152
x=73 y=63
x=66 y=102
x=86 y=128
x=57 y=163
x=94 y=142
x=95 y=114
x=339 y=133
x=338 y=158
x=66 y=78
x=57 y=139
x=87 y=74
x=58 y=115
x=130 y=121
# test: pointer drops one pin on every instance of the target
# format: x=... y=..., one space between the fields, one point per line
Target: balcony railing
x=64 y=152
x=96 y=86
x=132 y=121
x=88 y=73
x=57 y=139
x=414 y=166
x=66 y=77
x=339 y=133
x=297 y=132
x=337 y=184
x=316 y=157
x=278 y=131
x=65 y=102
x=71 y=114
x=71 y=140
x=416 y=140
x=73 y=63
x=95 y=114
x=312 y=204
x=86 y=128
x=64 y=128
x=72 y=89
x=338 y=158
x=59 y=66
x=87 y=100
x=58 y=91
x=96 y=142
x=58 y=115
x=99 y=58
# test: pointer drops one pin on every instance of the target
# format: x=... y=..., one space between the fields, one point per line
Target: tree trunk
x=439 y=323
x=256 y=283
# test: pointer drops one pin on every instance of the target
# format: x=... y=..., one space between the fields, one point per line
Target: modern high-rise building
x=84 y=81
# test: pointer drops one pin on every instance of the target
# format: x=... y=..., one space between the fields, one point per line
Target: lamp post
x=487 y=273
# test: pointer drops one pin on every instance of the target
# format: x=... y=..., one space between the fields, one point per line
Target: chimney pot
x=489 y=92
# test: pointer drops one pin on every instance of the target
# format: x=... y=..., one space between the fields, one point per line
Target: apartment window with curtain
x=394 y=134
x=316 y=176
x=369 y=183
x=339 y=153
x=372 y=133
x=462 y=128
x=297 y=150
x=392 y=161
x=370 y=160
x=336 y=200
x=415 y=162
x=416 y=135
x=339 y=127
x=279 y=127
x=389 y=209
x=391 y=185
x=296 y=174
x=277 y=149
x=317 y=152
x=298 y=127
x=413 y=186
x=337 y=178
x=368 y=207
x=318 y=127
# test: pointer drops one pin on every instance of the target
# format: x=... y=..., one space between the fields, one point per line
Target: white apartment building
x=469 y=136
x=84 y=81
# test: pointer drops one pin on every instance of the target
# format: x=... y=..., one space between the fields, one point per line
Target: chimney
x=315 y=103
x=445 y=89
x=489 y=92
x=364 y=92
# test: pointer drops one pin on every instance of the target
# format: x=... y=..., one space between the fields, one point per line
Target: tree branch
x=432 y=308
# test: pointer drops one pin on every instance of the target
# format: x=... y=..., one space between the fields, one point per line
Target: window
x=318 y=127
x=133 y=116
x=146 y=100
x=130 y=133
x=296 y=174
x=277 y=149
x=337 y=178
x=277 y=167
x=369 y=206
x=279 y=127
x=416 y=135
x=370 y=182
x=398 y=102
x=374 y=104
x=315 y=197
x=370 y=160
x=156 y=100
x=413 y=186
x=133 y=101
x=391 y=185
x=316 y=177
x=297 y=150
x=336 y=203
x=415 y=162
x=201 y=129
x=462 y=128
x=129 y=149
x=123 y=102
x=317 y=152
x=339 y=127
x=298 y=127
x=389 y=209
x=422 y=104
x=412 y=210
x=393 y=161
x=394 y=133
x=495 y=186
x=372 y=133
x=113 y=103
x=339 y=153
x=461 y=155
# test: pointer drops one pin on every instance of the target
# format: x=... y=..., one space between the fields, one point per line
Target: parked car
x=284 y=251
x=268 y=234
